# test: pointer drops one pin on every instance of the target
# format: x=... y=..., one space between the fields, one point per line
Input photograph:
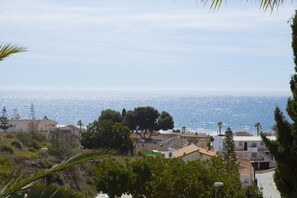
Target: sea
x=198 y=111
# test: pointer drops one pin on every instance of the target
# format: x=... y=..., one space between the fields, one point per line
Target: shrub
x=39 y=136
x=17 y=144
x=8 y=136
x=25 y=138
x=6 y=148
x=35 y=144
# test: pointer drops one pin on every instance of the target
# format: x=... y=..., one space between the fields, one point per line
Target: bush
x=39 y=136
x=25 y=138
x=17 y=144
x=35 y=144
x=8 y=136
x=6 y=148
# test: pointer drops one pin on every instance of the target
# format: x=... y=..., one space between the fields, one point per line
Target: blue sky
x=146 y=44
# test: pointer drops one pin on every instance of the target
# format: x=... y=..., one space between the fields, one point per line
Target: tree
x=32 y=111
x=9 y=49
x=110 y=114
x=107 y=134
x=146 y=120
x=165 y=121
x=284 y=148
x=80 y=124
x=4 y=121
x=258 y=127
x=154 y=177
x=220 y=125
x=45 y=118
x=183 y=130
x=124 y=112
x=228 y=148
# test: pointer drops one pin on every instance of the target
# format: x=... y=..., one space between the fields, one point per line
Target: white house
x=192 y=152
x=30 y=125
x=251 y=147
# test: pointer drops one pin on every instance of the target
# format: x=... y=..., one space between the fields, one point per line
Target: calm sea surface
x=197 y=111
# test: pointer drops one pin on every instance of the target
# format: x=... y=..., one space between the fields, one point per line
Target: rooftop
x=190 y=149
x=251 y=138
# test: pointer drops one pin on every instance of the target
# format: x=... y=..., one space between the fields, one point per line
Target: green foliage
x=51 y=191
x=165 y=121
x=258 y=127
x=16 y=144
x=4 y=125
x=110 y=114
x=25 y=138
x=154 y=177
x=147 y=119
x=63 y=144
x=8 y=49
x=264 y=4
x=22 y=184
x=107 y=134
x=228 y=148
x=284 y=149
x=220 y=125
x=113 y=178
x=5 y=168
x=39 y=136
x=31 y=139
x=6 y=148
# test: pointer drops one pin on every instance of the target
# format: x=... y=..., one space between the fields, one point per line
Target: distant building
x=75 y=131
x=251 y=147
x=192 y=152
x=18 y=125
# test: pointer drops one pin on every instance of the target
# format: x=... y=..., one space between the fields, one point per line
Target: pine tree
x=228 y=148
x=32 y=112
x=3 y=120
x=284 y=148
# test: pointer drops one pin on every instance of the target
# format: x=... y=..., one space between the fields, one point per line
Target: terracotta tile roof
x=242 y=133
x=245 y=166
x=190 y=149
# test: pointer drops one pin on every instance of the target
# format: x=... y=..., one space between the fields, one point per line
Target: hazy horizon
x=171 y=45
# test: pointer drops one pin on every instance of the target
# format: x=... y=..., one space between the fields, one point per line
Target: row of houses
x=46 y=126
x=251 y=152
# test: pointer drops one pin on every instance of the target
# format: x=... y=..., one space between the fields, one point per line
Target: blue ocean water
x=195 y=110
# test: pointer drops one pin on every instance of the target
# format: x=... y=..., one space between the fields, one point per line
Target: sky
x=146 y=44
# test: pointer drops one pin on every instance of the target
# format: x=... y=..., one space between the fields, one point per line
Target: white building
x=30 y=125
x=251 y=147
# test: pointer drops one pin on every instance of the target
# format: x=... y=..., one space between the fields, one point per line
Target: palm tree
x=220 y=125
x=258 y=127
x=8 y=49
x=22 y=185
x=80 y=124
x=264 y=4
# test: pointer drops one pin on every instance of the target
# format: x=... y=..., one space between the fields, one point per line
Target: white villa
x=24 y=125
x=251 y=147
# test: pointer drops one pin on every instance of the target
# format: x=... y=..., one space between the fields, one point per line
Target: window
x=239 y=143
x=254 y=144
x=254 y=155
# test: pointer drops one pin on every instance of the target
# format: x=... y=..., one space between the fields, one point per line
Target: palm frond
x=51 y=191
x=22 y=183
x=264 y=4
x=8 y=49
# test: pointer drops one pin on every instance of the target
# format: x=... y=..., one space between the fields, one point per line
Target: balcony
x=252 y=149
